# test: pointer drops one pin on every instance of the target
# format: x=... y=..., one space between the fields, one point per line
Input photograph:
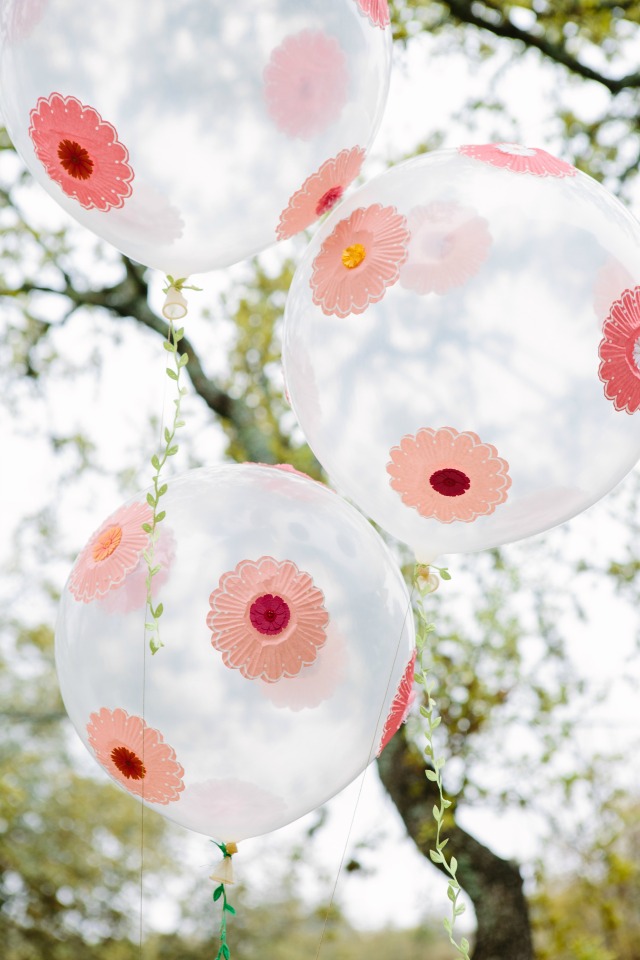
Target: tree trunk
x=494 y=885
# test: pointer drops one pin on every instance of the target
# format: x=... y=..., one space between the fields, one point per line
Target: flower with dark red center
x=112 y=553
x=135 y=755
x=320 y=192
x=129 y=765
x=619 y=352
x=401 y=705
x=328 y=200
x=359 y=260
x=75 y=159
x=81 y=152
x=448 y=475
x=267 y=619
x=269 y=615
x=450 y=482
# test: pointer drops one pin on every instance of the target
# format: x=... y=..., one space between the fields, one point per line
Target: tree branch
x=466 y=11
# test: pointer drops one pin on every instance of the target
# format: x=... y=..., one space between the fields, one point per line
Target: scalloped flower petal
x=448 y=475
x=81 y=152
x=267 y=619
x=359 y=260
x=619 y=352
x=519 y=159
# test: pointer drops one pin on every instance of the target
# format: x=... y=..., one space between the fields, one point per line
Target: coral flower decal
x=619 y=352
x=112 y=553
x=376 y=10
x=135 y=755
x=449 y=244
x=401 y=705
x=267 y=619
x=520 y=159
x=359 y=260
x=81 y=152
x=320 y=192
x=448 y=475
x=306 y=83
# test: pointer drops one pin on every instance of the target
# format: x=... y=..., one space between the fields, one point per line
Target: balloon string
x=364 y=774
x=425 y=582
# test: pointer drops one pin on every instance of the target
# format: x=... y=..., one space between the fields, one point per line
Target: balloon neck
x=223 y=872
x=175 y=303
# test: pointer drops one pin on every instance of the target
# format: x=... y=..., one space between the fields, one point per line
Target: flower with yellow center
x=353 y=256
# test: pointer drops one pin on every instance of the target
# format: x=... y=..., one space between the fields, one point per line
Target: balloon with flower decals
x=288 y=654
x=194 y=137
x=462 y=346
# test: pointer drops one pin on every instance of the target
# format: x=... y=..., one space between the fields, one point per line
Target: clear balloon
x=462 y=346
x=194 y=135
x=288 y=657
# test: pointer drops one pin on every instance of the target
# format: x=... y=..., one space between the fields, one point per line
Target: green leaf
x=435 y=856
x=155 y=462
x=179 y=423
x=217 y=893
x=431 y=775
x=437 y=813
x=230 y=909
x=453 y=865
x=158 y=611
x=444 y=573
x=147 y=527
x=163 y=489
x=171 y=373
x=171 y=452
x=225 y=951
x=167 y=435
x=155 y=570
x=151 y=500
x=464 y=944
x=184 y=360
x=446 y=923
x=160 y=517
x=168 y=346
x=178 y=334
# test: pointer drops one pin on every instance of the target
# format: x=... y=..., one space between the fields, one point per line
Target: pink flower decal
x=135 y=755
x=359 y=260
x=401 y=705
x=448 y=475
x=81 y=152
x=320 y=192
x=306 y=84
x=619 y=352
x=112 y=553
x=267 y=619
x=520 y=159
x=449 y=244
x=376 y=10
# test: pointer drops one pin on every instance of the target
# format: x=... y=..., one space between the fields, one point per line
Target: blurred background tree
x=80 y=346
